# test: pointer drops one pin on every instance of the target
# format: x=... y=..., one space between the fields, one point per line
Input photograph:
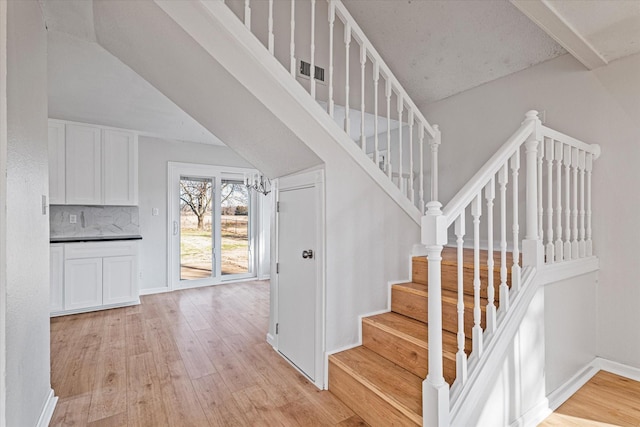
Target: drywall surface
x=27 y=237
x=600 y=106
x=154 y=153
x=570 y=328
x=519 y=387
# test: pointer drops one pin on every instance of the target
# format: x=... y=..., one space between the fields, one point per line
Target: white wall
x=27 y=228
x=153 y=156
x=570 y=328
x=600 y=106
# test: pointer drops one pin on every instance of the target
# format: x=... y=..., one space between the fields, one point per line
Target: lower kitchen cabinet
x=97 y=275
x=56 y=263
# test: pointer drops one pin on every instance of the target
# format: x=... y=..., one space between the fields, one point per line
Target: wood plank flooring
x=195 y=357
x=606 y=400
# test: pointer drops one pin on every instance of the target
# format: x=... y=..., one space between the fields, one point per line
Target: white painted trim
x=3 y=210
x=552 y=273
x=271 y=340
x=544 y=15
x=569 y=388
x=204 y=20
x=47 y=411
x=533 y=416
x=96 y=308
x=153 y=291
x=631 y=372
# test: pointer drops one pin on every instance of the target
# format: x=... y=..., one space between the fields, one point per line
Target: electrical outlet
x=73 y=219
x=155 y=212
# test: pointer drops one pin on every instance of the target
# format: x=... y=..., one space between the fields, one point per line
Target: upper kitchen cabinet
x=92 y=165
x=83 y=165
x=56 y=163
x=120 y=167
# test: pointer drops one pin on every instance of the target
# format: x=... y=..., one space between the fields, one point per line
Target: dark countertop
x=93 y=238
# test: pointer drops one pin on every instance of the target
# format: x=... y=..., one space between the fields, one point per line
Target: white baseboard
x=271 y=340
x=152 y=291
x=626 y=371
x=569 y=388
x=47 y=411
x=533 y=416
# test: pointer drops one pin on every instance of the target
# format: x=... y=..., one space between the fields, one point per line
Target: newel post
x=435 y=390
x=532 y=247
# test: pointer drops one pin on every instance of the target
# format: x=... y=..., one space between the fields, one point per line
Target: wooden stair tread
x=450 y=257
x=447 y=295
x=390 y=382
x=414 y=331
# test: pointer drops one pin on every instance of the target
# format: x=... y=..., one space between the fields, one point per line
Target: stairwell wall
x=600 y=106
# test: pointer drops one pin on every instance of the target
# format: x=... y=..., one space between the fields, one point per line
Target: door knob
x=307 y=254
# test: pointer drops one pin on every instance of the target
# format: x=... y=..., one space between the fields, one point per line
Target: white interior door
x=297 y=279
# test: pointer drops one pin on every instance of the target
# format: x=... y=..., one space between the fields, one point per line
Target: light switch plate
x=73 y=219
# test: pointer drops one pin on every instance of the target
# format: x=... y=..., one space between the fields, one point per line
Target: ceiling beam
x=545 y=16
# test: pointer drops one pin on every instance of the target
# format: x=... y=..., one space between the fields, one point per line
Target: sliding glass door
x=211 y=226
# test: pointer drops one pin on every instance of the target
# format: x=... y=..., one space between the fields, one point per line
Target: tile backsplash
x=94 y=220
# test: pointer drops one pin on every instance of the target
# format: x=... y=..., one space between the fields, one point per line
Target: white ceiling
x=436 y=48
x=440 y=48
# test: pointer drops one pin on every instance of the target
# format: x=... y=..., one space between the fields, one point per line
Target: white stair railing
x=540 y=147
x=387 y=126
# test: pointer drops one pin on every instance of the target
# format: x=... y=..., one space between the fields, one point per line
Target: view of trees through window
x=197 y=198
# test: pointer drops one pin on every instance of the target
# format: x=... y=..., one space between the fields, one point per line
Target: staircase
x=381 y=380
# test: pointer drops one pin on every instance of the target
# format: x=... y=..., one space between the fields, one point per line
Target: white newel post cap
x=434 y=229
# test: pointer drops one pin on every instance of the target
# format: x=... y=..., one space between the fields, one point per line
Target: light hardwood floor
x=606 y=400
x=195 y=357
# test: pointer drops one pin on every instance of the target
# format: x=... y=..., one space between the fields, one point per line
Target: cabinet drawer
x=100 y=249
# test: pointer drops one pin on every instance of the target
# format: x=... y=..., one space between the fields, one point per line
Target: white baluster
x=421 y=144
x=388 y=96
x=312 y=50
x=582 y=248
x=400 y=144
x=461 y=356
x=550 y=244
x=574 y=209
x=567 y=200
x=589 y=169
x=411 y=190
x=558 y=247
x=435 y=143
x=332 y=18
x=503 y=179
x=271 y=39
x=540 y=196
x=490 y=195
x=476 y=212
x=363 y=65
x=347 y=43
x=515 y=268
x=247 y=14
x=292 y=40
x=376 y=142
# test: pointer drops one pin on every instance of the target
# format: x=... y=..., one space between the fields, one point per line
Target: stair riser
x=450 y=278
x=402 y=352
x=364 y=402
x=415 y=307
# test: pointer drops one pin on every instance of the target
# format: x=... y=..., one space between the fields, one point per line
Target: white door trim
x=175 y=170
x=3 y=205
x=313 y=178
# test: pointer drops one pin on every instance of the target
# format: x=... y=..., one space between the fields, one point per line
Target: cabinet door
x=82 y=283
x=120 y=163
x=83 y=165
x=56 y=163
x=119 y=281
x=56 y=264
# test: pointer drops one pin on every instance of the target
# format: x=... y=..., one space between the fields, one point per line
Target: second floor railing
x=323 y=47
